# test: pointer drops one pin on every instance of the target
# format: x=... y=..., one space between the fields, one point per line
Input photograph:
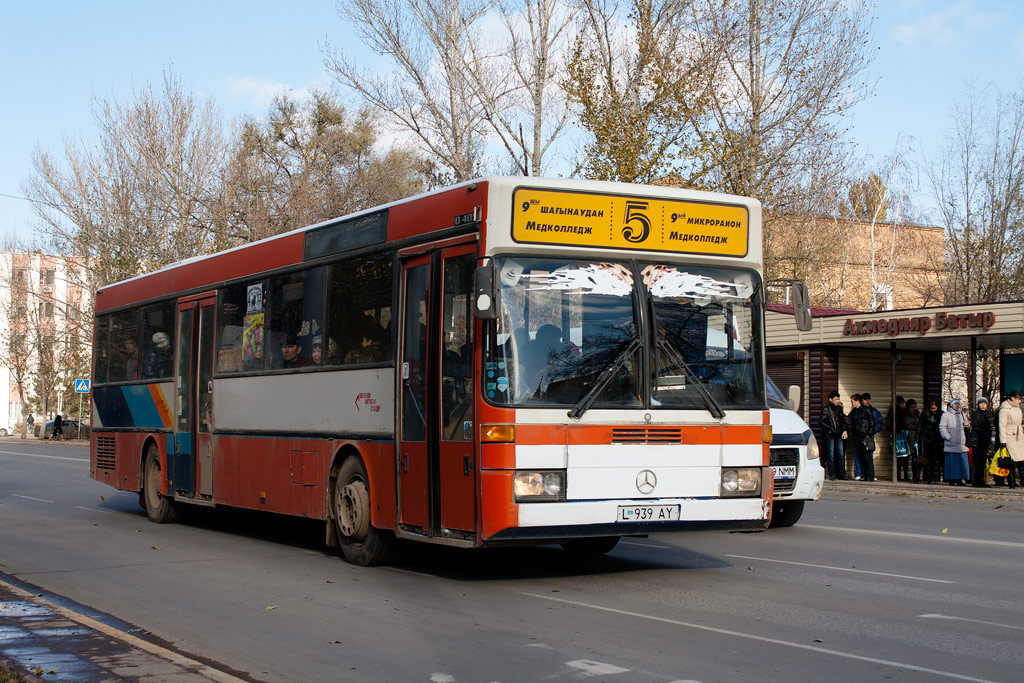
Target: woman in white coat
x=1011 y=434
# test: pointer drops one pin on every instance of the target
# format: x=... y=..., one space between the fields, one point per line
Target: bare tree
x=137 y=198
x=639 y=76
x=517 y=78
x=430 y=95
x=978 y=186
x=789 y=69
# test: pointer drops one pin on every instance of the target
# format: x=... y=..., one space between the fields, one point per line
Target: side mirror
x=793 y=394
x=487 y=286
x=802 y=306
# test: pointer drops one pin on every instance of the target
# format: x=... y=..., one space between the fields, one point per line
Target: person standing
x=852 y=448
x=862 y=426
x=833 y=428
x=980 y=439
x=951 y=427
x=929 y=441
x=895 y=421
x=31 y=422
x=1011 y=433
x=911 y=420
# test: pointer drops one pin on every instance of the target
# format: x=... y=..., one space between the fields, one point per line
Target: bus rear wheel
x=361 y=543
x=598 y=545
x=786 y=513
x=159 y=508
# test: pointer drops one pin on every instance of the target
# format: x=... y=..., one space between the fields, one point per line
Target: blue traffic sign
x=82 y=386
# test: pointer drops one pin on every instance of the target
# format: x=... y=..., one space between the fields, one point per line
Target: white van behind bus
x=799 y=476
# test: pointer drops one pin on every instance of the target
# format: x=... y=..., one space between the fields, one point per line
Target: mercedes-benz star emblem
x=646 y=481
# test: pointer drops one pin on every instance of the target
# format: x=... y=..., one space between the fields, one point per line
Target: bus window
x=240 y=328
x=102 y=349
x=124 y=347
x=295 y=318
x=457 y=355
x=359 y=311
x=157 y=333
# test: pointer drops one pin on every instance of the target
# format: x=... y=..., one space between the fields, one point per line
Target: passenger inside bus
x=368 y=346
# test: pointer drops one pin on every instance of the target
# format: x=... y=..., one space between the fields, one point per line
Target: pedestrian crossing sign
x=82 y=386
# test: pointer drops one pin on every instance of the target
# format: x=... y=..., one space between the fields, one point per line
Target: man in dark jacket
x=833 y=431
x=979 y=440
x=862 y=427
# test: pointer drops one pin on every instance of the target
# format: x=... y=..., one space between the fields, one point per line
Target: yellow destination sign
x=624 y=222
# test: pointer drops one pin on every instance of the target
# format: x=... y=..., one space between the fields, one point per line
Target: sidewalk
x=942 y=490
x=49 y=642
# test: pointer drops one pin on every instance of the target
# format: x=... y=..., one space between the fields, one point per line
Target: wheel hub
x=354 y=510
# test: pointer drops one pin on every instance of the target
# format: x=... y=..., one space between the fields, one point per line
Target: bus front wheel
x=361 y=543
x=159 y=508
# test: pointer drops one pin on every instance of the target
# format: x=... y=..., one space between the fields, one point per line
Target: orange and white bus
x=509 y=360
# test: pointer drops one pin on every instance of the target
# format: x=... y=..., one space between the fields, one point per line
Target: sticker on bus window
x=252 y=337
x=254 y=299
x=511 y=270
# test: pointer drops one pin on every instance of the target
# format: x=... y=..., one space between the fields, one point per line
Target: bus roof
x=407 y=218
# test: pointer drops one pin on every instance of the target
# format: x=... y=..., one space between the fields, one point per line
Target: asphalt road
x=863 y=588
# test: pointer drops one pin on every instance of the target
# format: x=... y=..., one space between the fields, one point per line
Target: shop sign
x=921 y=324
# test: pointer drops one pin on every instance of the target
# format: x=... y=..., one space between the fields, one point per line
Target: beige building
x=856 y=264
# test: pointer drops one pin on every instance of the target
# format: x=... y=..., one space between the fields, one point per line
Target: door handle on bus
x=467 y=465
x=405 y=463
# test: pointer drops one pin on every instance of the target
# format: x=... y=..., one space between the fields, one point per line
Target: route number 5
x=635 y=214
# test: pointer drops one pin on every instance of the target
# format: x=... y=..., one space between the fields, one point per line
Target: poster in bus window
x=252 y=324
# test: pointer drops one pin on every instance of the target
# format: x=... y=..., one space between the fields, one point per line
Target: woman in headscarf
x=951 y=427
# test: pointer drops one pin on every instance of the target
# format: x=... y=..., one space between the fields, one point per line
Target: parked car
x=69 y=427
x=799 y=476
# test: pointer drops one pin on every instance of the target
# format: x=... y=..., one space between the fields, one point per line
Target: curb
x=8 y=667
x=888 y=488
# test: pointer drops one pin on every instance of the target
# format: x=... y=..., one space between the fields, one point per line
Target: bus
x=504 y=361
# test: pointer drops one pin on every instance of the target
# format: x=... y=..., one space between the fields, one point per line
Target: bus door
x=437 y=480
x=192 y=468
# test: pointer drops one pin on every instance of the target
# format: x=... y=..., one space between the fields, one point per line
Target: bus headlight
x=531 y=487
x=812 y=448
x=741 y=481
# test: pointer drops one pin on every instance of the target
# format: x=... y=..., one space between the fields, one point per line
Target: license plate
x=784 y=471
x=648 y=513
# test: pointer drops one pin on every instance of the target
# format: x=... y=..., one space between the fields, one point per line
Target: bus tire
x=786 y=513
x=599 y=545
x=362 y=543
x=159 y=508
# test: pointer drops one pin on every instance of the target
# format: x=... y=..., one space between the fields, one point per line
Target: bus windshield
x=570 y=331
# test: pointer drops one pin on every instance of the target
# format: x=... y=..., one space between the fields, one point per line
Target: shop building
x=889 y=353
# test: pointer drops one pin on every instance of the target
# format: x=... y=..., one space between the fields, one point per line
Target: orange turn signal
x=497 y=433
x=766 y=434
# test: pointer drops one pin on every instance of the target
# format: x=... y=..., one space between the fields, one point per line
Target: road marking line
x=840 y=569
x=589 y=667
x=168 y=655
x=973 y=621
x=903 y=534
x=51 y=457
x=647 y=545
x=41 y=500
x=106 y=512
x=765 y=639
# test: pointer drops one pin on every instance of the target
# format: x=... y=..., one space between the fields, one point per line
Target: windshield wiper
x=676 y=358
x=606 y=376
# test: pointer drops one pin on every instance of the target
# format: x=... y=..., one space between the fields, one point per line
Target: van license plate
x=784 y=471
x=648 y=513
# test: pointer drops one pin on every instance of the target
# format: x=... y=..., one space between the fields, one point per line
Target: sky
x=57 y=55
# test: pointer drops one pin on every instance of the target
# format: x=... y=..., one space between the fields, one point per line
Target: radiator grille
x=785 y=456
x=647 y=435
x=106 y=454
